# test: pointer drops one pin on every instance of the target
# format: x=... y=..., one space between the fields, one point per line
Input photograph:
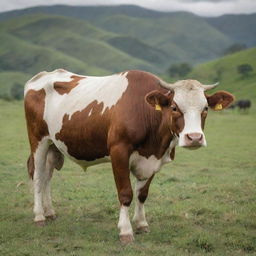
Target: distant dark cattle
x=243 y=104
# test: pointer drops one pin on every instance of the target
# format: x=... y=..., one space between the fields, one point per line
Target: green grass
x=202 y=203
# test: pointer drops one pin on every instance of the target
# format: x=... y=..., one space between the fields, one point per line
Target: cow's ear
x=158 y=100
x=220 y=100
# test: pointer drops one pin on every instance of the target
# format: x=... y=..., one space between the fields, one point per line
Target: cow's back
x=83 y=115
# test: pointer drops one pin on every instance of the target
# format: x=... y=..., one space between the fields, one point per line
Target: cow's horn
x=167 y=85
x=210 y=86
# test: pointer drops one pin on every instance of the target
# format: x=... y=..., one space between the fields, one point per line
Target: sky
x=199 y=7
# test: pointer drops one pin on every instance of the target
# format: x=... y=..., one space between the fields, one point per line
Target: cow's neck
x=158 y=142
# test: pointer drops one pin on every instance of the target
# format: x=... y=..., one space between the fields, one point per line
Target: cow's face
x=185 y=109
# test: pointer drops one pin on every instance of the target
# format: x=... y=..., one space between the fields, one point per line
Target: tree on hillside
x=235 y=48
x=179 y=70
x=244 y=70
x=219 y=73
x=17 y=91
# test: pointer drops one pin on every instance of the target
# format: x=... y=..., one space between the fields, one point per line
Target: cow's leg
x=54 y=159
x=39 y=180
x=139 y=217
x=120 y=163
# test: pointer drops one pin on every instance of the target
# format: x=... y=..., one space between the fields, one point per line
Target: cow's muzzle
x=194 y=140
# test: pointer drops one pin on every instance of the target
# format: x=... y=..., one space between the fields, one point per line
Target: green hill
x=241 y=27
x=181 y=36
x=30 y=44
x=139 y=49
x=77 y=39
x=102 y=40
x=225 y=71
x=20 y=55
x=81 y=40
x=237 y=27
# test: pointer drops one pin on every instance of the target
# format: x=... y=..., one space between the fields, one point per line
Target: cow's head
x=184 y=109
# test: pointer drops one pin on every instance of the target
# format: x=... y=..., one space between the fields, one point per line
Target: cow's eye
x=174 y=108
x=206 y=109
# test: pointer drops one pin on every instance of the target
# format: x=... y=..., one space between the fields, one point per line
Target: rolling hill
x=238 y=28
x=102 y=40
x=78 y=39
x=182 y=36
x=30 y=44
x=225 y=71
x=241 y=28
x=158 y=38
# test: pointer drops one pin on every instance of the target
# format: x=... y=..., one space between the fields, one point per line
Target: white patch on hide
x=143 y=167
x=107 y=90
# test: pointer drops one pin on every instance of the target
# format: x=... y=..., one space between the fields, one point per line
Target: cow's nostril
x=188 y=136
x=195 y=137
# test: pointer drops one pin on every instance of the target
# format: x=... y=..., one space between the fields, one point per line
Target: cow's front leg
x=120 y=162
x=139 y=217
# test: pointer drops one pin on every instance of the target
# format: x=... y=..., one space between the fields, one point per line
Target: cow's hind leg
x=40 y=167
x=141 y=195
x=54 y=159
x=39 y=179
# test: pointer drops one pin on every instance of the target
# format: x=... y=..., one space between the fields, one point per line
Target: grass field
x=202 y=203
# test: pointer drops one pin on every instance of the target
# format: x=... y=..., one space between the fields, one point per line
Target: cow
x=132 y=119
x=243 y=105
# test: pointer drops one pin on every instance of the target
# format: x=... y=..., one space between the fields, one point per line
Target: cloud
x=199 y=7
x=214 y=1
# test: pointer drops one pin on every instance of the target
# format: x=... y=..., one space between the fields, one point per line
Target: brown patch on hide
x=34 y=110
x=34 y=103
x=86 y=135
x=66 y=87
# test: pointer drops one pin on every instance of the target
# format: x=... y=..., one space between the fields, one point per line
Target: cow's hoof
x=141 y=230
x=51 y=217
x=40 y=223
x=126 y=239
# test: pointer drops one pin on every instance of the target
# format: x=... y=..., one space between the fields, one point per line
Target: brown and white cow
x=133 y=119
